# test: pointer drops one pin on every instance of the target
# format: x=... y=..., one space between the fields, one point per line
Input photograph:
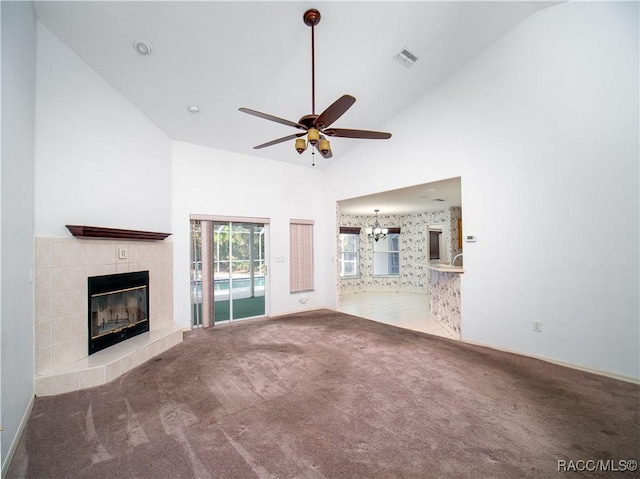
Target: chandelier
x=376 y=231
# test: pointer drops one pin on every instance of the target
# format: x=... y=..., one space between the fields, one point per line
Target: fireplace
x=118 y=308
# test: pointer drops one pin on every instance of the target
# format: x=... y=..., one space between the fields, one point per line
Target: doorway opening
x=228 y=270
x=435 y=242
x=429 y=217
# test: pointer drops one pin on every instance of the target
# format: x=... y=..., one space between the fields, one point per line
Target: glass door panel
x=239 y=271
x=196 y=274
x=221 y=273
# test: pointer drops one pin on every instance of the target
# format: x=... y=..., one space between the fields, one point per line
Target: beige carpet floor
x=327 y=395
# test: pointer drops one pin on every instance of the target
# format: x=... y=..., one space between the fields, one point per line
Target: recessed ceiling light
x=142 y=47
x=193 y=109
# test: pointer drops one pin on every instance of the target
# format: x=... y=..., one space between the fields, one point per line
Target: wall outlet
x=537 y=326
x=122 y=253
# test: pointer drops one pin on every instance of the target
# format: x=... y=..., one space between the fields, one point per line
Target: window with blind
x=301 y=256
x=349 y=252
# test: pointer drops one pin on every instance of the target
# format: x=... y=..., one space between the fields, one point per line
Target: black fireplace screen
x=118 y=308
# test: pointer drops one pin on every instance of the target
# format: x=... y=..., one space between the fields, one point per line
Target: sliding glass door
x=239 y=270
x=228 y=271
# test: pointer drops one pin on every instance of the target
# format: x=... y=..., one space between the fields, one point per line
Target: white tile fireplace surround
x=62 y=266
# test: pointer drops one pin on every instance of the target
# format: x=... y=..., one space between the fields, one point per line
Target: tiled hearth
x=62 y=266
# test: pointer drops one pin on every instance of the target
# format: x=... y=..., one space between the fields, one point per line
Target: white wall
x=99 y=161
x=16 y=226
x=215 y=182
x=543 y=129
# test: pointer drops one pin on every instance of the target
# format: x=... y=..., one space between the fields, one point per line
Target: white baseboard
x=609 y=374
x=317 y=308
x=16 y=439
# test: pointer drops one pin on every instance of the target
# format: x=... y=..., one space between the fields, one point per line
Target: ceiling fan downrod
x=311 y=18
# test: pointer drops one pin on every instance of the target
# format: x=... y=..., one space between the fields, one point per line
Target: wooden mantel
x=114 y=233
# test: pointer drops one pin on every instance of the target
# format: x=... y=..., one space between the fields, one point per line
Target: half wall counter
x=444 y=295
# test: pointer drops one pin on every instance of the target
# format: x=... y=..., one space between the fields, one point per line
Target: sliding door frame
x=206 y=222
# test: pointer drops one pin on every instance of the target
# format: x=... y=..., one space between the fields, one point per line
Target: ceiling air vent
x=406 y=58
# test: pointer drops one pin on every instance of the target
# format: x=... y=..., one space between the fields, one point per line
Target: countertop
x=445 y=268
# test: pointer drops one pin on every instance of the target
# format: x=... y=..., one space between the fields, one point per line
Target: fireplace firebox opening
x=118 y=308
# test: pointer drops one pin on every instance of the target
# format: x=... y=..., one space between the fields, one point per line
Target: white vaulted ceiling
x=224 y=55
x=433 y=196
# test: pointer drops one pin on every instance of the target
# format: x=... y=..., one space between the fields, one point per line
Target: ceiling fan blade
x=317 y=147
x=334 y=111
x=266 y=116
x=279 y=140
x=365 y=134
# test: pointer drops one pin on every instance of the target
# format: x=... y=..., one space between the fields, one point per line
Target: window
x=301 y=256
x=386 y=255
x=349 y=252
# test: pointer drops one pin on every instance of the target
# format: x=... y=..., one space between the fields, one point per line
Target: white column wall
x=99 y=161
x=16 y=219
x=542 y=127
x=214 y=182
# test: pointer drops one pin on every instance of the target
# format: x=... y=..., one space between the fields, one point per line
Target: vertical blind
x=301 y=255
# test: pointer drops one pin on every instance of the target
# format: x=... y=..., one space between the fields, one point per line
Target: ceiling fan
x=317 y=127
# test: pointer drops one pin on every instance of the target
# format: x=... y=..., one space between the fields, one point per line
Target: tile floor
x=405 y=310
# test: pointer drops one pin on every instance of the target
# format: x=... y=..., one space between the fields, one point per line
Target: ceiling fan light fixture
x=314 y=126
x=313 y=135
x=301 y=145
x=325 y=146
